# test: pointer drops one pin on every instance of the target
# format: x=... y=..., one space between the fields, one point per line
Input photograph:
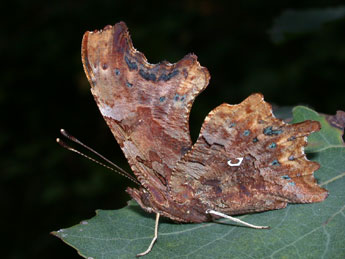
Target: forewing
x=146 y=106
x=274 y=169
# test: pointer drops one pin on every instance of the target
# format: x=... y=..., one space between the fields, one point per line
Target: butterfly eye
x=240 y=159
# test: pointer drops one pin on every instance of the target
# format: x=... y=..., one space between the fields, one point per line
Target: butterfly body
x=245 y=160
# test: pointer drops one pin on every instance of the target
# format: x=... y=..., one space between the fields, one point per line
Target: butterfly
x=245 y=160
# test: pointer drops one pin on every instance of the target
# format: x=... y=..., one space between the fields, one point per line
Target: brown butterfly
x=244 y=160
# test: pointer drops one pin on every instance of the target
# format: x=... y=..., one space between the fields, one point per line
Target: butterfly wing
x=247 y=160
x=146 y=106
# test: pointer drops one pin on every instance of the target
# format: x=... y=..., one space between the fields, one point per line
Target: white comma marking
x=240 y=159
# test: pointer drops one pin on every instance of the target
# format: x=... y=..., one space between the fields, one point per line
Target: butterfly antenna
x=118 y=169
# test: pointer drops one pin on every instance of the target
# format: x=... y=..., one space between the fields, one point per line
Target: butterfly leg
x=148 y=250
x=213 y=212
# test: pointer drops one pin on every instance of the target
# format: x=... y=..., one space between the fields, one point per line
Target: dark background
x=43 y=88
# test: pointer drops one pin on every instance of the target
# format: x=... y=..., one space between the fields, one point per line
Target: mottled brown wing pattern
x=245 y=160
x=274 y=170
x=146 y=106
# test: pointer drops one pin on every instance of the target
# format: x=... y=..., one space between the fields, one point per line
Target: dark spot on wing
x=286 y=177
x=176 y=97
x=246 y=133
x=117 y=71
x=269 y=131
x=275 y=162
x=147 y=76
x=167 y=77
x=131 y=64
x=272 y=145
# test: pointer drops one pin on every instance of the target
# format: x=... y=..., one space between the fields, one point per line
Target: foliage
x=44 y=88
x=300 y=230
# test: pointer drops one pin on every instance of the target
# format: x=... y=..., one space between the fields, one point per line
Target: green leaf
x=303 y=21
x=327 y=137
x=298 y=231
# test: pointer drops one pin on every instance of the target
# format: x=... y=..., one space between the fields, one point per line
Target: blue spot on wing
x=176 y=97
x=129 y=85
x=275 y=162
x=246 y=132
x=131 y=65
x=117 y=71
x=269 y=131
x=147 y=76
x=286 y=177
x=272 y=145
x=167 y=77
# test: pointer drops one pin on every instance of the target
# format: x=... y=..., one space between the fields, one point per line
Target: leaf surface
x=298 y=231
x=326 y=138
